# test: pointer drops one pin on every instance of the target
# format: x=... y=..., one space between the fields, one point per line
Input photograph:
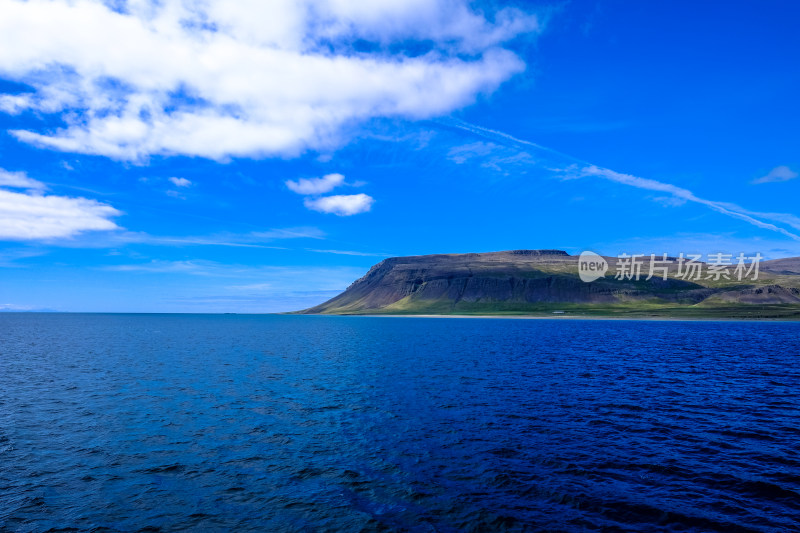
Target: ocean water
x=304 y=423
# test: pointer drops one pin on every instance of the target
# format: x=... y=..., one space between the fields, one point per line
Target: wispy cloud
x=10 y=258
x=20 y=180
x=679 y=193
x=198 y=268
x=783 y=218
x=770 y=247
x=253 y=239
x=573 y=167
x=462 y=154
x=349 y=252
x=271 y=239
x=316 y=185
x=493 y=156
x=304 y=232
x=217 y=240
x=781 y=173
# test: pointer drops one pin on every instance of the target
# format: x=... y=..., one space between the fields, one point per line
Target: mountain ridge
x=544 y=281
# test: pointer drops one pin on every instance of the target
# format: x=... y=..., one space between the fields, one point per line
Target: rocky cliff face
x=517 y=280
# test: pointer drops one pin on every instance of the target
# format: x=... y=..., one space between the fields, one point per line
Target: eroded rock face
x=520 y=278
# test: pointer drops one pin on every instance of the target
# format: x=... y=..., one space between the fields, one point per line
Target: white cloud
x=19 y=180
x=31 y=216
x=316 y=185
x=180 y=182
x=342 y=205
x=249 y=78
x=781 y=173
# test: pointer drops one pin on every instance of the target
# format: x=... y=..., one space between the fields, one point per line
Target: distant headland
x=551 y=283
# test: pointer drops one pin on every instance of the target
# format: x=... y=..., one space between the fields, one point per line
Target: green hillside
x=547 y=283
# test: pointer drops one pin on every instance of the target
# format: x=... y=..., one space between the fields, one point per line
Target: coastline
x=577 y=317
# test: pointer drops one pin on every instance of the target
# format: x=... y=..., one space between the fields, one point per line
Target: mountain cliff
x=547 y=281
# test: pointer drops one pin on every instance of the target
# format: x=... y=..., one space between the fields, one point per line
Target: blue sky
x=260 y=156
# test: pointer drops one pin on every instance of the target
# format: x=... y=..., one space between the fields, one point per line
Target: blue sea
x=309 y=423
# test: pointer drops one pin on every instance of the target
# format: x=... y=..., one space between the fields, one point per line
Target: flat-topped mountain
x=547 y=281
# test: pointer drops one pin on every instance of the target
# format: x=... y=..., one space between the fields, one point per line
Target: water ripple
x=292 y=423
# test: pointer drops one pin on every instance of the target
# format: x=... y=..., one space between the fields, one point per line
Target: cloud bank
x=250 y=78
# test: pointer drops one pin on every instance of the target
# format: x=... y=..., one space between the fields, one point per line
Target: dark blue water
x=292 y=423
